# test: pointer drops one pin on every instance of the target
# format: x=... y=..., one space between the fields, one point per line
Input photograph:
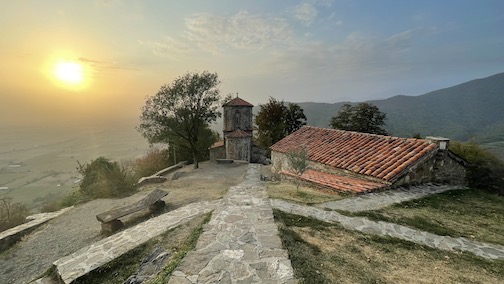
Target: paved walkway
x=490 y=251
x=240 y=244
x=91 y=257
x=378 y=200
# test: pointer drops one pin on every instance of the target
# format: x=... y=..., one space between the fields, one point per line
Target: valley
x=39 y=164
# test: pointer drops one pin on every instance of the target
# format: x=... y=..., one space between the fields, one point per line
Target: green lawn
x=469 y=213
x=327 y=253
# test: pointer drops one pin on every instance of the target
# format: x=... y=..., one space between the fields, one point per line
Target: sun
x=69 y=72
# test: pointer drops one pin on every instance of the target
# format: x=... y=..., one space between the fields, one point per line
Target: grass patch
x=470 y=213
x=305 y=194
x=188 y=245
x=327 y=253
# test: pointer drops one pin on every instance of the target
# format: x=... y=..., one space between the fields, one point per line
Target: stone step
x=87 y=259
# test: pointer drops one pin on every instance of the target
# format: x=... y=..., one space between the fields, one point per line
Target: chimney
x=440 y=141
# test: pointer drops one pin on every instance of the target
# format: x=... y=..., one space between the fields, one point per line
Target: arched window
x=237 y=119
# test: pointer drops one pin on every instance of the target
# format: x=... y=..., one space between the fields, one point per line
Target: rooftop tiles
x=238 y=133
x=338 y=183
x=383 y=157
x=238 y=102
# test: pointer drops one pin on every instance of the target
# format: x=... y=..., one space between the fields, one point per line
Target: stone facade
x=237 y=132
x=238 y=148
x=237 y=117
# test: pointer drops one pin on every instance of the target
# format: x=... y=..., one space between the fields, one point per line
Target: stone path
x=378 y=200
x=490 y=251
x=91 y=257
x=240 y=244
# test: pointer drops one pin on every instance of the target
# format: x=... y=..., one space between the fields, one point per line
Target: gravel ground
x=78 y=227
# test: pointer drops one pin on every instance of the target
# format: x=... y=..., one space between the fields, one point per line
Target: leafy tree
x=179 y=151
x=179 y=112
x=298 y=161
x=275 y=121
x=294 y=118
x=362 y=117
x=104 y=178
x=485 y=170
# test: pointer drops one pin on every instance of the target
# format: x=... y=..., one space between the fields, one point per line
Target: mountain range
x=471 y=110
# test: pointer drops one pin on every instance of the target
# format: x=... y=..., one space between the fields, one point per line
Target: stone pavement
x=83 y=261
x=485 y=250
x=12 y=235
x=240 y=244
x=378 y=200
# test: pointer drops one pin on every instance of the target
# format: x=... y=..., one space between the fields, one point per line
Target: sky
x=298 y=51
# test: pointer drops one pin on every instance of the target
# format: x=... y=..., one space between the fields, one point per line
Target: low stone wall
x=12 y=235
x=159 y=176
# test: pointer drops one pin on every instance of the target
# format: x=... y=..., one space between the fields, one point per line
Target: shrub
x=155 y=160
x=11 y=214
x=73 y=198
x=103 y=178
x=485 y=170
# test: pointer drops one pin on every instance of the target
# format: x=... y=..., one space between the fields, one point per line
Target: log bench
x=110 y=219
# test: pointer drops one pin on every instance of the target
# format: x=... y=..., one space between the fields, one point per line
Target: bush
x=73 y=198
x=11 y=214
x=103 y=178
x=155 y=160
x=485 y=170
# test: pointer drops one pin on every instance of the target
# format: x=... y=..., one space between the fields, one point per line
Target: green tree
x=485 y=171
x=104 y=178
x=275 y=121
x=298 y=161
x=294 y=118
x=179 y=112
x=363 y=117
x=180 y=150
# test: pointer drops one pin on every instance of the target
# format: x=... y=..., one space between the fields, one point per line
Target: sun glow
x=69 y=72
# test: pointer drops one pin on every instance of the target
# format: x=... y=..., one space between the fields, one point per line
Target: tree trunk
x=196 y=165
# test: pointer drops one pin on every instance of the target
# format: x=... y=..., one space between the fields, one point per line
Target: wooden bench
x=110 y=219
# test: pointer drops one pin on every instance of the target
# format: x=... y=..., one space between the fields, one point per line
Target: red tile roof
x=238 y=133
x=338 y=183
x=238 y=102
x=217 y=144
x=378 y=156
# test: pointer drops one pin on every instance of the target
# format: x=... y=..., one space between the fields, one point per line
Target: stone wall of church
x=238 y=148
x=217 y=153
x=236 y=117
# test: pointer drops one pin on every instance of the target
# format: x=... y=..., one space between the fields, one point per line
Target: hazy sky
x=322 y=51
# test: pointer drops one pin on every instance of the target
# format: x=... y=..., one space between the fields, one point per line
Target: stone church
x=238 y=133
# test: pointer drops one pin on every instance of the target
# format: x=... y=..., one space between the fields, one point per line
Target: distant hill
x=474 y=109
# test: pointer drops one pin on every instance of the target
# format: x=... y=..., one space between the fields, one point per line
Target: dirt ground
x=78 y=227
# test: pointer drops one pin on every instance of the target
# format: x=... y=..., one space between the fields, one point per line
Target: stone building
x=237 y=132
x=361 y=162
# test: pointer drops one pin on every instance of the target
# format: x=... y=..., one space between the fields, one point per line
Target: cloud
x=305 y=13
x=217 y=34
x=241 y=31
x=168 y=47
x=99 y=65
x=357 y=54
x=107 y=3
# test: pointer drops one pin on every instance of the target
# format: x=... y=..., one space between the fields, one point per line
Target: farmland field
x=39 y=164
